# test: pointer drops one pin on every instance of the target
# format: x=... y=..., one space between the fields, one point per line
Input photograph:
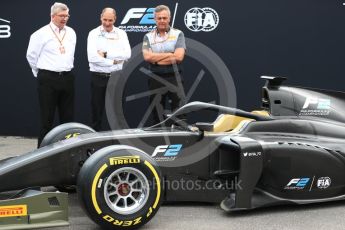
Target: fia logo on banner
x=5 y=29
x=201 y=19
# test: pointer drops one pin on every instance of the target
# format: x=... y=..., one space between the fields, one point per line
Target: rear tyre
x=120 y=187
x=63 y=132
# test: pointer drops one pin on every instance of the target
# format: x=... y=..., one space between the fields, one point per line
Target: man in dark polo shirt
x=51 y=56
x=164 y=50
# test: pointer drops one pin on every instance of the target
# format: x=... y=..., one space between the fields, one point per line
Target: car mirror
x=203 y=126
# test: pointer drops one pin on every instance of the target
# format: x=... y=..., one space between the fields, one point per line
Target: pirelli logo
x=13 y=210
x=171 y=38
x=122 y=160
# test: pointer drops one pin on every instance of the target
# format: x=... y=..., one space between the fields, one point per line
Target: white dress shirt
x=44 y=51
x=115 y=43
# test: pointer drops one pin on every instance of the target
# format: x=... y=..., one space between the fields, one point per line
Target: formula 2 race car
x=291 y=152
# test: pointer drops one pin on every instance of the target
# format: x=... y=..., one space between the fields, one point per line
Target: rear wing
x=273 y=81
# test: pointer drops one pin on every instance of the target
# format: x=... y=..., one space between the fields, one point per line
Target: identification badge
x=62 y=50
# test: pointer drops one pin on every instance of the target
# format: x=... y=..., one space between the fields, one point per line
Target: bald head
x=108 y=18
x=108 y=10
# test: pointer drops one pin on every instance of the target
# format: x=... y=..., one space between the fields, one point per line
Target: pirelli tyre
x=65 y=131
x=120 y=187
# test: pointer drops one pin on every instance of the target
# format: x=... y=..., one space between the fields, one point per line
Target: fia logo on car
x=323 y=182
x=5 y=30
x=168 y=150
x=297 y=183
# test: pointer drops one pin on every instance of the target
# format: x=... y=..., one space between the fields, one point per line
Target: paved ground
x=206 y=216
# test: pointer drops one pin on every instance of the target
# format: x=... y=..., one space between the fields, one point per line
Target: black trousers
x=98 y=90
x=165 y=96
x=55 y=91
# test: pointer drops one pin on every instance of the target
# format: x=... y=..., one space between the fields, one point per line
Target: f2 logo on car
x=168 y=150
x=298 y=182
x=321 y=103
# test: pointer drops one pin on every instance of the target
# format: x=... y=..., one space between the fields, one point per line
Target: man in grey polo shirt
x=164 y=50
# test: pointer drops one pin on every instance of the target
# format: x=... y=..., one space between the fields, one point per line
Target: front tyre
x=120 y=187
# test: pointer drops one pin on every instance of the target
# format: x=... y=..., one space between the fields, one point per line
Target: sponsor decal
x=124 y=223
x=138 y=20
x=5 y=28
x=13 y=210
x=297 y=183
x=166 y=152
x=323 y=182
x=124 y=160
x=68 y=136
x=201 y=19
x=314 y=106
x=251 y=154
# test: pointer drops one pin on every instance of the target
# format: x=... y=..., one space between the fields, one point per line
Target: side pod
x=251 y=165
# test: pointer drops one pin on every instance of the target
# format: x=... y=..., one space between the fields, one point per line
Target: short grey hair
x=161 y=8
x=110 y=9
x=58 y=7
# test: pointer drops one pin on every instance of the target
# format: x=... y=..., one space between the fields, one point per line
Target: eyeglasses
x=161 y=18
x=63 y=16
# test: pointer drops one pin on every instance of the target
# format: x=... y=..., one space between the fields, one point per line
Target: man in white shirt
x=51 y=55
x=107 y=49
